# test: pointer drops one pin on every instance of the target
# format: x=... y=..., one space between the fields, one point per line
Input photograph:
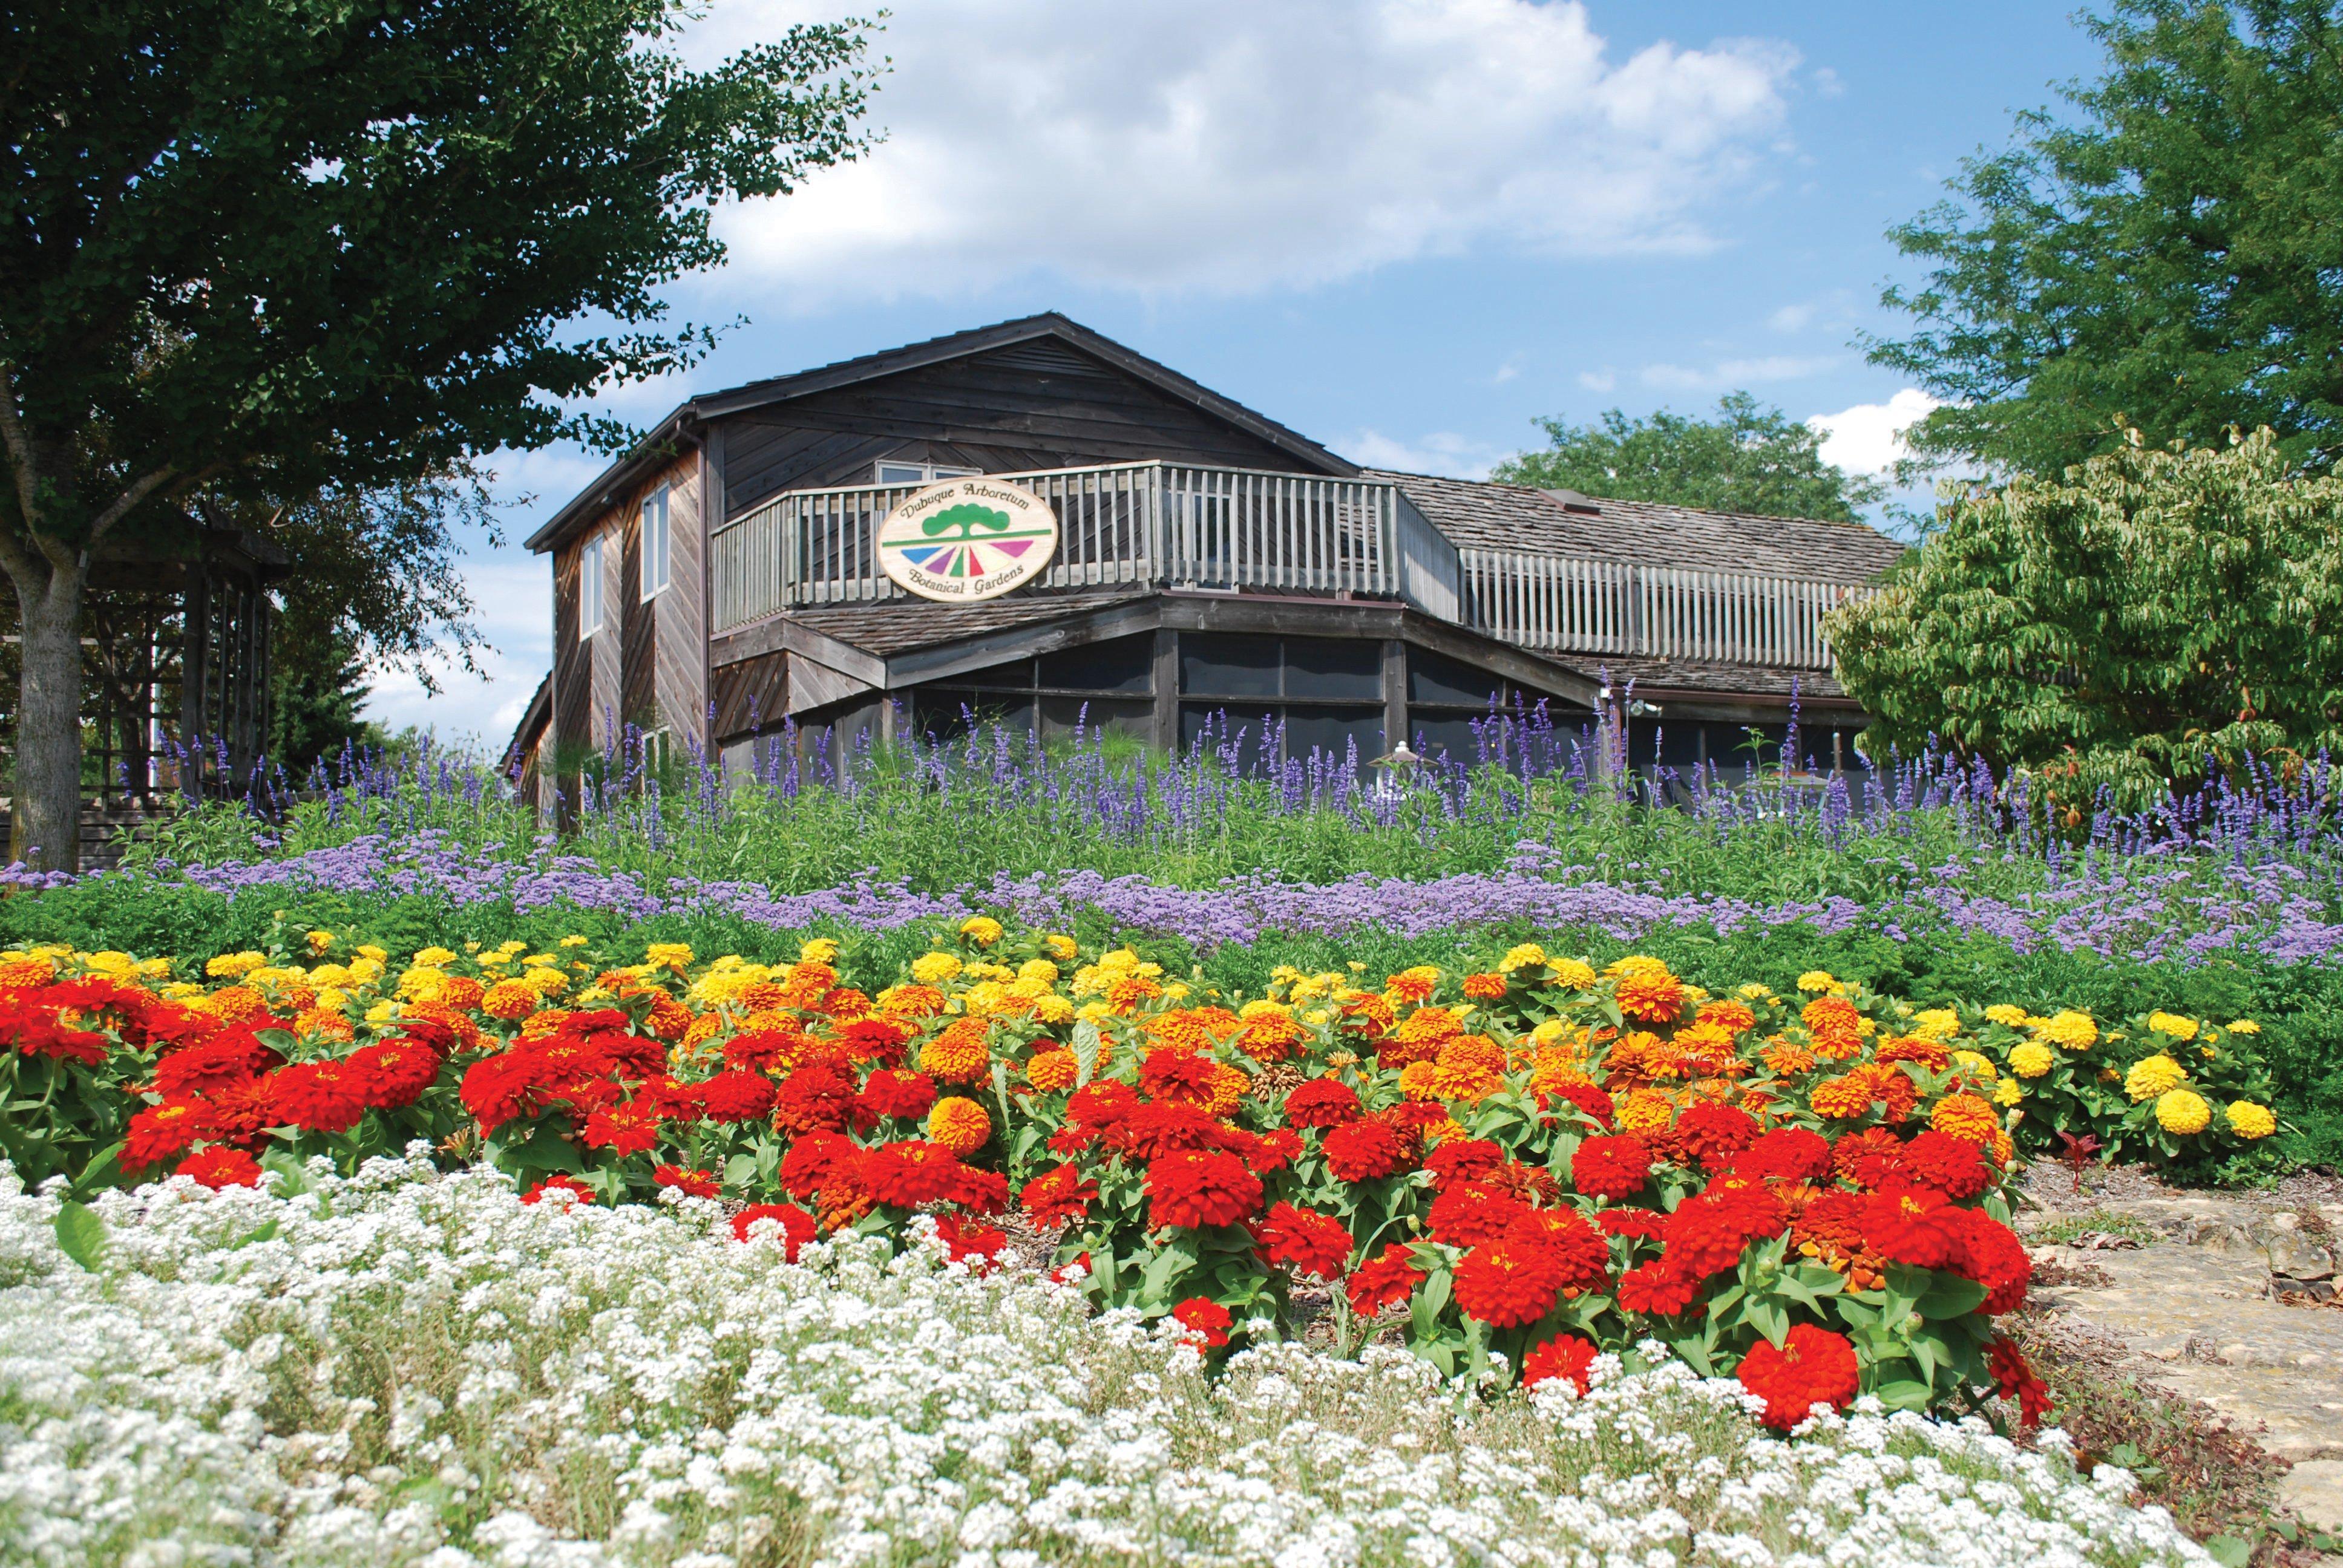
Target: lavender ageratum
x=2170 y=906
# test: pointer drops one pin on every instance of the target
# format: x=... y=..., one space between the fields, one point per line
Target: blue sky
x=1405 y=227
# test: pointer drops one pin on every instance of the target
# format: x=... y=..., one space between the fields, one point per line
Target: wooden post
x=1164 y=721
x=1394 y=694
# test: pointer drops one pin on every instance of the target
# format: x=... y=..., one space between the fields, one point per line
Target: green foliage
x=2153 y=614
x=2166 y=261
x=1748 y=459
x=313 y=708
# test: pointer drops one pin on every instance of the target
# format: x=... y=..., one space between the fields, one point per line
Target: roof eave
x=603 y=491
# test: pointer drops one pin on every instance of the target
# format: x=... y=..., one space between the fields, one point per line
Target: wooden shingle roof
x=1480 y=515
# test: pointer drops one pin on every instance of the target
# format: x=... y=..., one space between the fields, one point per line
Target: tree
x=313 y=705
x=259 y=251
x=1749 y=459
x=2152 y=615
x=2172 y=264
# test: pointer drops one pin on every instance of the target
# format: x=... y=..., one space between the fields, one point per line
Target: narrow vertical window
x=655 y=542
x=589 y=589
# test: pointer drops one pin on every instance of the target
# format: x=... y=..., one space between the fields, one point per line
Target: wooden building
x=723 y=579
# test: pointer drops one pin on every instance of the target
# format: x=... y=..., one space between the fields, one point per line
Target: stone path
x=2194 y=1307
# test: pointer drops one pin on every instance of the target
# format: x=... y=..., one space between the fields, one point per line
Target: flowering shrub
x=2159 y=1087
x=411 y=1368
x=1514 y=1170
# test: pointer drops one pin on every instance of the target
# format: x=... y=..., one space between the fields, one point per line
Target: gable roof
x=659 y=442
x=1480 y=515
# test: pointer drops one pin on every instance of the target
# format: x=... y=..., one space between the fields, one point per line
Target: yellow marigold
x=2151 y=1076
x=1555 y=1071
x=1230 y=1084
x=2249 y=1120
x=364 y=970
x=1412 y=984
x=1633 y=964
x=1527 y=956
x=2173 y=1024
x=1572 y=974
x=431 y=957
x=960 y=1124
x=1052 y=1008
x=538 y=1025
x=511 y=998
x=291 y=996
x=383 y=1013
x=235 y=1004
x=119 y=966
x=1645 y=1110
x=1060 y=948
x=1420 y=1081
x=319 y=1023
x=935 y=969
x=2243 y=1026
x=1554 y=1030
x=960 y=1054
x=1818 y=982
x=1039 y=970
x=2182 y=1111
x=334 y=999
x=1469 y=1083
x=703 y=1028
x=2008 y=1091
x=462 y=992
x=1935 y=1023
x=989 y=996
x=2075 y=1031
x=1124 y=995
x=1050 y=1072
x=320 y=940
x=330 y=974
x=183 y=991
x=1427 y=1023
x=548 y=983
x=1969 y=1116
x=676 y=956
x=1651 y=996
x=818 y=951
x=2031 y=1059
x=230 y=966
x=2005 y=1014
x=1977 y=1064
x=981 y=930
x=1849 y=1096
x=1753 y=991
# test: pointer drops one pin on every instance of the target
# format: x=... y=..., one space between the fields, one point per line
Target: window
x=589 y=589
x=891 y=472
x=655 y=542
x=1261 y=701
x=1099 y=686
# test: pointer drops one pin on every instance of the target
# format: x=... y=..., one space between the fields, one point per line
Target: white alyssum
x=411 y=1368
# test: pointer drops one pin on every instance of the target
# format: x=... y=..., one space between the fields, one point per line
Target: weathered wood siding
x=680 y=643
x=1038 y=405
x=609 y=691
x=750 y=693
x=573 y=664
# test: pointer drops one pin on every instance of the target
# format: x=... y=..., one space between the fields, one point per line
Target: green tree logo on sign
x=963 y=521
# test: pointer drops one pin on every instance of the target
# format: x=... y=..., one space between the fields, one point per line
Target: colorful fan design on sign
x=967 y=539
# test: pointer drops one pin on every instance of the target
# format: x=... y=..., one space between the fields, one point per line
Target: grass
x=2068 y=1228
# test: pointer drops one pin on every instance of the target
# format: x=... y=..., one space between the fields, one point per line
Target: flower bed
x=1515 y=1171
x=408 y=1368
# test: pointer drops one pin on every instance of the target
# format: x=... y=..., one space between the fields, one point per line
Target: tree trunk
x=45 y=824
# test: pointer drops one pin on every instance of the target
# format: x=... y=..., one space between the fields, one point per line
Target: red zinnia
x=1645 y=1224
x=1101 y=1103
x=1812 y=1367
x=1193 y=1189
x=813 y=1099
x=964 y=1241
x=1611 y=1168
x=1586 y=1255
x=1988 y=1251
x=1709 y=1230
x=1390 y=1276
x=2015 y=1380
x=1305 y=1239
x=811 y=1160
x=1564 y=1356
x=1659 y=1290
x=1206 y=1320
x=897 y=1092
x=1170 y=1072
x=1472 y=1213
x=1511 y=1281
x=1911 y=1225
x=394 y=1073
x=1321 y=1102
x=910 y=1174
x=1148 y=1131
x=692 y=1183
x=216 y=1167
x=318 y=1096
x=1791 y=1153
x=1710 y=1135
x=623 y=1130
x=1364 y=1150
x=1953 y=1166
x=160 y=1131
x=735 y=1095
x=1463 y=1160
x=1870 y=1158
x=794 y=1226
x=569 y=1184
x=211 y=1065
x=1056 y=1196
x=1592 y=1103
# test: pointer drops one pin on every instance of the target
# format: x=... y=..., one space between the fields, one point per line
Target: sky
x=1406 y=229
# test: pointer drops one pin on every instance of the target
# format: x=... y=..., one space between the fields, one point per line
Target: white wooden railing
x=1186 y=526
x=1559 y=605
x=1128 y=522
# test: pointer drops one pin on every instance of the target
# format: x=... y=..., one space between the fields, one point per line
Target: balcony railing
x=1181 y=525
x=1558 y=605
x=1126 y=523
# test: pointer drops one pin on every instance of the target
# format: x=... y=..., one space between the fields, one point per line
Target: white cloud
x=1441 y=452
x=1507 y=371
x=1869 y=437
x=1791 y=318
x=515 y=601
x=1597 y=380
x=1224 y=146
x=1727 y=375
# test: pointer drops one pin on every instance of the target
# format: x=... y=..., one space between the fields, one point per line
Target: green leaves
x=81 y=1235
